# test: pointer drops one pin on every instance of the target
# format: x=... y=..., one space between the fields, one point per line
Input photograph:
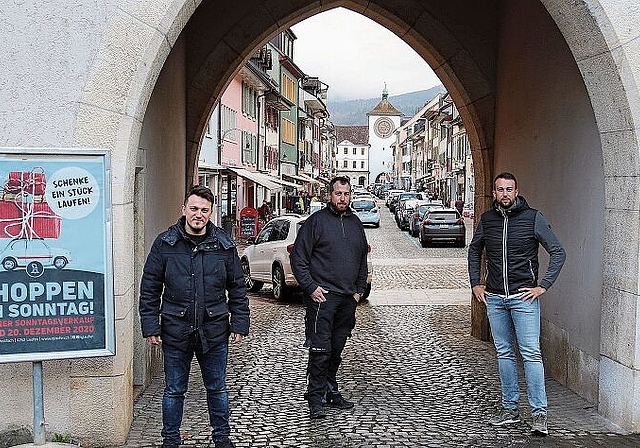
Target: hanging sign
x=56 y=272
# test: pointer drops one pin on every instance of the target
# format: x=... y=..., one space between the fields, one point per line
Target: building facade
x=353 y=154
x=433 y=153
x=265 y=139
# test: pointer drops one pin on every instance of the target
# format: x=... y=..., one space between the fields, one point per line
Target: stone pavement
x=416 y=375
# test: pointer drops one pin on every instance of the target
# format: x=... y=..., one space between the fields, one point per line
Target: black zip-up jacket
x=331 y=251
x=184 y=288
x=511 y=238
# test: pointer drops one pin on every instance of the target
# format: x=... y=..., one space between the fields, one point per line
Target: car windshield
x=363 y=206
x=443 y=216
x=424 y=207
x=410 y=195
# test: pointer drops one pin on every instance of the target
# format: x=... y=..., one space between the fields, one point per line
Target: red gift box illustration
x=24 y=213
x=32 y=182
x=28 y=220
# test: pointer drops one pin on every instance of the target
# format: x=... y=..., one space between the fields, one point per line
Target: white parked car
x=367 y=210
x=266 y=259
x=22 y=251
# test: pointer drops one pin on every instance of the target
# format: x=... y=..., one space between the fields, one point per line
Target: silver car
x=367 y=210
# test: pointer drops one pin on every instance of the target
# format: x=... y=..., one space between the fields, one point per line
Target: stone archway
x=603 y=41
x=191 y=49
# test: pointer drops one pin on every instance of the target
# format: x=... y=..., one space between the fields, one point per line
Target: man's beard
x=508 y=205
x=340 y=208
x=196 y=230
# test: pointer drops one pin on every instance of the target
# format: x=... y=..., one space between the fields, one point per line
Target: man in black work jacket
x=511 y=233
x=184 y=308
x=329 y=261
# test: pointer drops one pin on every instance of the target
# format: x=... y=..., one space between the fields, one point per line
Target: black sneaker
x=539 y=425
x=337 y=401
x=225 y=443
x=316 y=411
x=169 y=445
x=505 y=417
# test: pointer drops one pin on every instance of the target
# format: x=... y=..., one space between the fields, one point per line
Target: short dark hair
x=343 y=180
x=200 y=191
x=507 y=176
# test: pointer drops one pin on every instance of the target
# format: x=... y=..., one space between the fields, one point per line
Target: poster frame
x=109 y=349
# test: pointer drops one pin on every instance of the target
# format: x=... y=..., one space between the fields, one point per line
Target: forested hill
x=354 y=112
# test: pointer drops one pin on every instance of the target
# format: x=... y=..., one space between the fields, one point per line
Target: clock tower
x=384 y=119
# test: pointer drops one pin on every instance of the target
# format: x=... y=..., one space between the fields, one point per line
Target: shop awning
x=309 y=179
x=265 y=180
x=202 y=166
x=285 y=183
x=303 y=179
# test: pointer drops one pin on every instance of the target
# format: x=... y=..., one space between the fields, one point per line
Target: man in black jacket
x=511 y=233
x=329 y=261
x=184 y=309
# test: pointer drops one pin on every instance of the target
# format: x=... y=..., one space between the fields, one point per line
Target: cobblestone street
x=416 y=375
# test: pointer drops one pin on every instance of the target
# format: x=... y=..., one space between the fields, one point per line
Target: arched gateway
x=546 y=89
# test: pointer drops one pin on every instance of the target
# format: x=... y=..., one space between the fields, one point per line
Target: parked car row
x=380 y=189
x=403 y=196
x=430 y=221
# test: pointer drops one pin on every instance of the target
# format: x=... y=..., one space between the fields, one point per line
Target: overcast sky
x=355 y=56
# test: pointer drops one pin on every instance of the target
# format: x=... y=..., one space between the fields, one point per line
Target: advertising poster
x=56 y=279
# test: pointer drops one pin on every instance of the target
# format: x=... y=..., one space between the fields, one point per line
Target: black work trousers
x=328 y=325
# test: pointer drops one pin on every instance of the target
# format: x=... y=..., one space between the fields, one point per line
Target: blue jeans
x=514 y=320
x=213 y=366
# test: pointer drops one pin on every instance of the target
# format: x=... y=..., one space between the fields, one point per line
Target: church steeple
x=384 y=107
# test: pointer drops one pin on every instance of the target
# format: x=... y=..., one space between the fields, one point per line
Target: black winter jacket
x=511 y=238
x=331 y=251
x=184 y=288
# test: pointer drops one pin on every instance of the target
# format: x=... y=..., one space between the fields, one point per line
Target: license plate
x=444 y=226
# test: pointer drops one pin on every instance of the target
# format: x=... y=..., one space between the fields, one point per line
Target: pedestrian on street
x=459 y=205
x=306 y=200
x=184 y=309
x=264 y=211
x=329 y=260
x=511 y=233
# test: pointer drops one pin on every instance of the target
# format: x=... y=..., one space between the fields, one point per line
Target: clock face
x=383 y=127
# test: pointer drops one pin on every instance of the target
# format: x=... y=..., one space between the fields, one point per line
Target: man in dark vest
x=511 y=233
x=192 y=302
